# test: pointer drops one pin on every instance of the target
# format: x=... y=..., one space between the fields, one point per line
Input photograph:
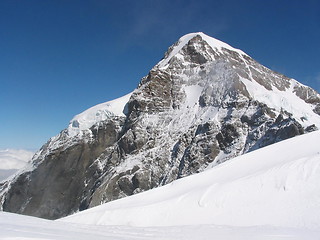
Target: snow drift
x=19 y=227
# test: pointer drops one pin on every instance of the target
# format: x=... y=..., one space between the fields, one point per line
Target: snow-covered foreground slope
x=19 y=227
x=277 y=185
x=11 y=160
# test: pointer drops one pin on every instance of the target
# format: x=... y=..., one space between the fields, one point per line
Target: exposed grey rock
x=317 y=109
x=311 y=128
x=59 y=181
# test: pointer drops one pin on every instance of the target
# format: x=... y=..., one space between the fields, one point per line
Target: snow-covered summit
x=214 y=43
x=213 y=71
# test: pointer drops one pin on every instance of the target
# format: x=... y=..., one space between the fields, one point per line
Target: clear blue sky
x=60 y=57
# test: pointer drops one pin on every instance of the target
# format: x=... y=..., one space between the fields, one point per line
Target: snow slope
x=19 y=227
x=277 y=185
x=11 y=160
x=98 y=113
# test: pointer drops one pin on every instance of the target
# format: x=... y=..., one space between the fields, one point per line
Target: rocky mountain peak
x=198 y=48
x=204 y=103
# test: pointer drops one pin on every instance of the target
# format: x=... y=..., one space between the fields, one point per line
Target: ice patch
x=192 y=94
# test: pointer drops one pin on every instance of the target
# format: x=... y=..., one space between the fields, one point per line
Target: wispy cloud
x=158 y=21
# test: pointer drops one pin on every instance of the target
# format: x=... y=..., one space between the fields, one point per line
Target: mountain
x=271 y=193
x=11 y=160
x=205 y=102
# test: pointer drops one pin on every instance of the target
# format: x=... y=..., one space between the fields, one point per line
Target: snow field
x=19 y=227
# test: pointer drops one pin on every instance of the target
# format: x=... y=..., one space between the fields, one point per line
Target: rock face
x=203 y=104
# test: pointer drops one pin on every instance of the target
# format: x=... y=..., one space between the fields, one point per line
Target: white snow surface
x=274 y=186
x=19 y=227
x=11 y=160
x=98 y=113
x=193 y=93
